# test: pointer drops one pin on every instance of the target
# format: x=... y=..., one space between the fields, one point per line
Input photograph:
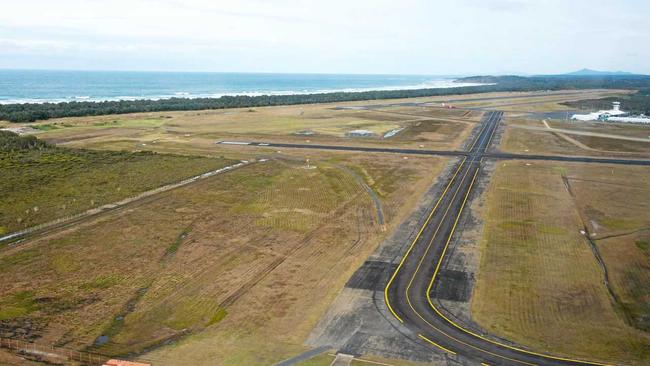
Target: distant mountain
x=590 y=72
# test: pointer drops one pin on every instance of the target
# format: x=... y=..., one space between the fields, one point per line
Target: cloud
x=411 y=36
x=512 y=6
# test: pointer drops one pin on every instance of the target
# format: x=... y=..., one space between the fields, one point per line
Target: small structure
x=360 y=133
x=392 y=133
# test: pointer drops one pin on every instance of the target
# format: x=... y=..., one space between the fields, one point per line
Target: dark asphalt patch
x=452 y=285
x=372 y=275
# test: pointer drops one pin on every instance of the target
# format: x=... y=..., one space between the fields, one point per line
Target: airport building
x=613 y=115
x=601 y=115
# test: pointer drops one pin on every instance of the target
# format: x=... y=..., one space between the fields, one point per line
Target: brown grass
x=615 y=203
x=241 y=266
x=539 y=284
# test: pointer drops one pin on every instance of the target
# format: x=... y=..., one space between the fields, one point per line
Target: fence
x=51 y=354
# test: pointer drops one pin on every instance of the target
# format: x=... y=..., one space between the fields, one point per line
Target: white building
x=601 y=115
x=637 y=119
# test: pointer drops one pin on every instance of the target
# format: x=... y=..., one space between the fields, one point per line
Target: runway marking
x=390 y=281
x=436 y=344
x=448 y=335
x=392 y=278
x=493 y=131
x=440 y=262
x=478 y=137
x=431 y=304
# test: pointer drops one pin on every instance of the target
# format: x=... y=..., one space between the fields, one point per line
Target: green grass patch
x=515 y=225
x=644 y=245
x=173 y=247
x=619 y=224
x=106 y=123
x=218 y=316
x=17 y=305
x=102 y=282
x=46 y=127
x=549 y=229
x=64 y=263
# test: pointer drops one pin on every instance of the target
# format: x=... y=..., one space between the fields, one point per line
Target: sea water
x=38 y=86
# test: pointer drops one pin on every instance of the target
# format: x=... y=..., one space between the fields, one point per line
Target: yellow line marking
x=435 y=233
x=435 y=273
x=390 y=282
x=448 y=335
x=484 y=364
x=436 y=344
x=492 y=135
x=437 y=269
x=392 y=278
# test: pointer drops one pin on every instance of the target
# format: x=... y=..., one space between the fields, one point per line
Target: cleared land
x=235 y=269
x=540 y=284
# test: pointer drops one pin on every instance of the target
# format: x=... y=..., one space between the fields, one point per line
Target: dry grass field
x=531 y=138
x=620 y=129
x=540 y=284
x=537 y=101
x=430 y=127
x=615 y=205
x=235 y=269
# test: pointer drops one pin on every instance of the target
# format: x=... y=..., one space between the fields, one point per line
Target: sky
x=458 y=37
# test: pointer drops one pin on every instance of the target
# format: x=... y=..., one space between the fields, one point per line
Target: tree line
x=30 y=112
x=637 y=103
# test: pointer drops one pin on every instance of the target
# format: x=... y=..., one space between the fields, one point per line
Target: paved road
x=407 y=293
x=580 y=159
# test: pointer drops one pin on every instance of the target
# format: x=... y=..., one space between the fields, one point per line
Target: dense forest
x=30 y=112
x=637 y=103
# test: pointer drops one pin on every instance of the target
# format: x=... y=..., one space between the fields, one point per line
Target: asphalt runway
x=499 y=156
x=407 y=293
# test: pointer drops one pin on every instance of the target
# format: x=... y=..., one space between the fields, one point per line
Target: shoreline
x=434 y=84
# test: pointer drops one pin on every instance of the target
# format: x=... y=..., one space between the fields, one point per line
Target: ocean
x=38 y=86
